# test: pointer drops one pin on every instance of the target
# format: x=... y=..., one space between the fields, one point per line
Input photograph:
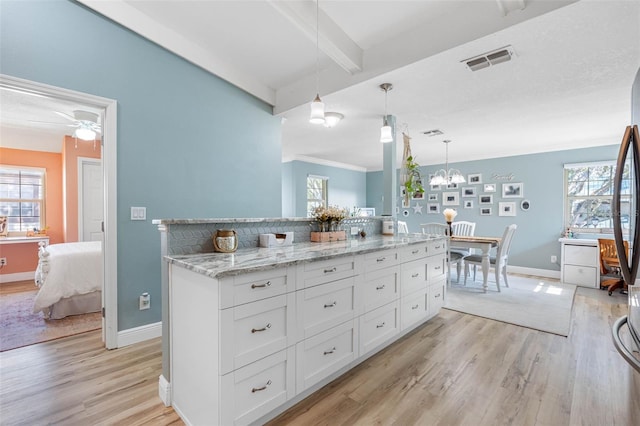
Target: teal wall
x=539 y=228
x=189 y=144
x=347 y=188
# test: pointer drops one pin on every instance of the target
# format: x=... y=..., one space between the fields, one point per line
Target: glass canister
x=225 y=241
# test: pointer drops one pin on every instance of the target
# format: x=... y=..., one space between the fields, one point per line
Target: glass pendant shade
x=85 y=134
x=317 y=111
x=440 y=178
x=385 y=133
x=455 y=176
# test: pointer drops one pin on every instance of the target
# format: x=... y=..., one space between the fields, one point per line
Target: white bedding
x=74 y=268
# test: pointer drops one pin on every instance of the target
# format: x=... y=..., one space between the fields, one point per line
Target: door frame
x=109 y=171
x=81 y=162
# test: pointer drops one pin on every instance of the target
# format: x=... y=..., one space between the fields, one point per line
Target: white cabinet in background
x=580 y=263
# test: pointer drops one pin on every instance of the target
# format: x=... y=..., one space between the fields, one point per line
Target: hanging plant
x=413 y=179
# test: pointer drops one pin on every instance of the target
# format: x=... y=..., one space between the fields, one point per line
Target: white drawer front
x=381 y=287
x=580 y=255
x=324 y=306
x=247 y=288
x=325 y=353
x=437 y=247
x=437 y=268
x=252 y=391
x=413 y=252
x=380 y=259
x=413 y=308
x=325 y=271
x=580 y=275
x=436 y=297
x=378 y=326
x=414 y=276
x=255 y=330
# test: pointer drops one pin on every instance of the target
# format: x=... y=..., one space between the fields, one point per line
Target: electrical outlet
x=3 y=261
x=554 y=259
x=354 y=230
x=145 y=301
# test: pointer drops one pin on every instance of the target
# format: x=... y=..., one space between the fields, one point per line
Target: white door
x=91 y=202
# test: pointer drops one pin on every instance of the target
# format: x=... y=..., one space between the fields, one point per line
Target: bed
x=70 y=279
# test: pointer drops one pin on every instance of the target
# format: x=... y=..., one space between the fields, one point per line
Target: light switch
x=138 y=213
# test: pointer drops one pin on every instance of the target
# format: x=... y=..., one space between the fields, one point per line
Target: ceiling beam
x=332 y=40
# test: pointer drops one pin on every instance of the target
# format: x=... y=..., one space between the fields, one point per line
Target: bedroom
x=68 y=210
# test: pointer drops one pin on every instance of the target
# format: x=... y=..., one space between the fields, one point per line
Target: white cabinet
x=580 y=262
x=245 y=347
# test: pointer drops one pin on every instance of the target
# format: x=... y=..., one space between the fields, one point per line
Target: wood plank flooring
x=455 y=370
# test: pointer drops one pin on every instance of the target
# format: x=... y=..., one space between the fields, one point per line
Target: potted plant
x=412 y=179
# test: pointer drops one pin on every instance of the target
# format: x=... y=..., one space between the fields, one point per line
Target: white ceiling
x=568 y=85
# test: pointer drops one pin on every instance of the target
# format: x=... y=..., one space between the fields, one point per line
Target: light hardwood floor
x=455 y=370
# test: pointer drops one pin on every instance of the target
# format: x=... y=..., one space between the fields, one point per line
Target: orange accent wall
x=24 y=257
x=70 y=154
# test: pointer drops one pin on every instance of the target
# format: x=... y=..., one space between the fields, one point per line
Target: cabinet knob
x=254 y=390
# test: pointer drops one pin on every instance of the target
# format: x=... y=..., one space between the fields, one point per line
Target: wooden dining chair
x=435 y=228
x=610 y=275
x=498 y=262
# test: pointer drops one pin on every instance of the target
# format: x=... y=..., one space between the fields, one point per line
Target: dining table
x=485 y=244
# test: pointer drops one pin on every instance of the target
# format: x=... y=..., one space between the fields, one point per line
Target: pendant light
x=317 y=106
x=385 y=132
x=446 y=176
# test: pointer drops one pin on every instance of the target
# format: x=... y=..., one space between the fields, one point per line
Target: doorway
x=108 y=113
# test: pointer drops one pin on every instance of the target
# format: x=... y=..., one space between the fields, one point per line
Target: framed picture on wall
x=4 y=226
x=432 y=197
x=486 y=199
x=434 y=187
x=489 y=187
x=468 y=191
x=468 y=204
x=418 y=196
x=450 y=198
x=512 y=190
x=507 y=208
x=474 y=178
x=367 y=211
x=485 y=211
x=433 y=208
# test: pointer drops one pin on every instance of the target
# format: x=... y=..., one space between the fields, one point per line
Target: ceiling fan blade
x=67 y=116
x=50 y=123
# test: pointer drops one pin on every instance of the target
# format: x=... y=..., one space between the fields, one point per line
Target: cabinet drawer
x=414 y=276
x=436 y=295
x=436 y=268
x=253 y=391
x=413 y=308
x=380 y=287
x=580 y=275
x=413 y=252
x=254 y=330
x=250 y=287
x=378 y=326
x=325 y=353
x=438 y=246
x=380 y=259
x=324 y=271
x=324 y=306
x=581 y=255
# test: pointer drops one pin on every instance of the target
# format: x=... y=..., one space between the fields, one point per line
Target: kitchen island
x=256 y=331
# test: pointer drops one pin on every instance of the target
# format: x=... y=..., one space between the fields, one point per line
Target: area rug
x=19 y=326
x=536 y=303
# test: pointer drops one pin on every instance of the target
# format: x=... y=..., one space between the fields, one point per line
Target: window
x=22 y=197
x=316 y=193
x=589 y=195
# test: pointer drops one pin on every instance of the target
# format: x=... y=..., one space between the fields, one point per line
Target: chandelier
x=446 y=176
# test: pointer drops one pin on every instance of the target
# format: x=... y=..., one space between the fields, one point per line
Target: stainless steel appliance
x=629 y=151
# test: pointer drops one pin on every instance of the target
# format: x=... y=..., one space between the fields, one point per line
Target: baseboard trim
x=18 y=276
x=164 y=390
x=545 y=273
x=139 y=334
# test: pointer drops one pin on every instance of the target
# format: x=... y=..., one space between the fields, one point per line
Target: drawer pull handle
x=437 y=247
x=267 y=284
x=415 y=307
x=380 y=325
x=330 y=305
x=256 y=330
x=329 y=352
x=437 y=295
x=381 y=259
x=380 y=287
x=254 y=390
x=415 y=252
x=436 y=268
x=415 y=275
x=326 y=271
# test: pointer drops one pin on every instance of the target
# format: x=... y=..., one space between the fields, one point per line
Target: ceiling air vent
x=493 y=57
x=434 y=132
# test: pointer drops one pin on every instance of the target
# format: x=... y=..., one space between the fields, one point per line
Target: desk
x=483 y=243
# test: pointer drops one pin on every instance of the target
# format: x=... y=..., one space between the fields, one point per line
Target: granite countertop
x=217 y=265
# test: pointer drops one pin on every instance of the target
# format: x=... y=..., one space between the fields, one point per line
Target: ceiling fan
x=85 y=124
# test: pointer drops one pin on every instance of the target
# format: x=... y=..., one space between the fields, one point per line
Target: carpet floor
x=19 y=326
x=538 y=303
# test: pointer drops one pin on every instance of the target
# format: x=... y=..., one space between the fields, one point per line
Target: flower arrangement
x=329 y=217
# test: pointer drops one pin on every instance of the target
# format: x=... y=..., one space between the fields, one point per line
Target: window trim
x=42 y=201
x=325 y=191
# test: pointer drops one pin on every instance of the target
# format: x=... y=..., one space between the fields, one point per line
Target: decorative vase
x=225 y=241
x=450 y=229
